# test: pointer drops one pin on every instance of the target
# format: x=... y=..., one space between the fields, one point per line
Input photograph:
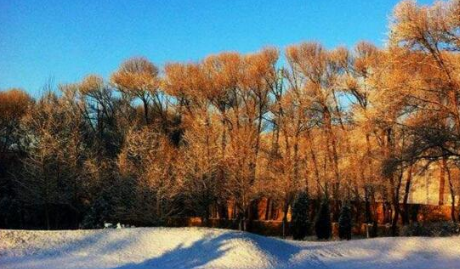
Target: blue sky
x=66 y=40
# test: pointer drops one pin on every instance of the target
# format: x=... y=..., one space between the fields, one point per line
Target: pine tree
x=323 y=225
x=345 y=222
x=97 y=214
x=300 y=216
x=375 y=229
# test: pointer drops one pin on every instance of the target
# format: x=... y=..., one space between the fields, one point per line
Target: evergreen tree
x=300 y=216
x=98 y=213
x=375 y=229
x=345 y=222
x=323 y=224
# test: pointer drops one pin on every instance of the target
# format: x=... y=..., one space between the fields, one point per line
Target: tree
x=52 y=174
x=98 y=214
x=14 y=105
x=102 y=113
x=428 y=38
x=300 y=222
x=138 y=78
x=147 y=165
x=345 y=222
x=323 y=224
x=317 y=70
x=201 y=164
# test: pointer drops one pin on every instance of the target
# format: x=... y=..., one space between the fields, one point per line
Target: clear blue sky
x=67 y=39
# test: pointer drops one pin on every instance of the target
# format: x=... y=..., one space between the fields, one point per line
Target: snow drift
x=141 y=248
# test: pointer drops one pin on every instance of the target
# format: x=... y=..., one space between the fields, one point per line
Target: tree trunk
x=452 y=195
x=285 y=212
x=405 y=216
x=47 y=217
x=146 y=111
x=395 y=188
x=367 y=202
x=442 y=181
x=268 y=209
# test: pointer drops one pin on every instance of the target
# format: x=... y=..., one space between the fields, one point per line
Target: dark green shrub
x=374 y=230
x=98 y=213
x=300 y=223
x=323 y=224
x=345 y=222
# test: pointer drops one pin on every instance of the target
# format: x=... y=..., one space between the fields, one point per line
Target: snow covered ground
x=176 y=248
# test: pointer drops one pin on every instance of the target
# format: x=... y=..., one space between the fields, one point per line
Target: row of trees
x=340 y=124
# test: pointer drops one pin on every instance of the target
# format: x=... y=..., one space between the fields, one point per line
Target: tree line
x=186 y=139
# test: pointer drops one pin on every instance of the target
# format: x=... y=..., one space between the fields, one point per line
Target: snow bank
x=176 y=248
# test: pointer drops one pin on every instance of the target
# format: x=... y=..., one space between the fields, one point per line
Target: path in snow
x=142 y=248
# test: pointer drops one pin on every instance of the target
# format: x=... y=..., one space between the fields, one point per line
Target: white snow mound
x=143 y=248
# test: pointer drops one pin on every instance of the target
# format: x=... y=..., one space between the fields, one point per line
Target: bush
x=300 y=221
x=345 y=222
x=374 y=230
x=97 y=215
x=10 y=212
x=444 y=228
x=323 y=224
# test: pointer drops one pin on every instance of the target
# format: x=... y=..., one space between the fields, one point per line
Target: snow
x=140 y=248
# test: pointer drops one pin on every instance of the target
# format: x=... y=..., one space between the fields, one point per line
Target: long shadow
x=206 y=250
x=197 y=254
x=95 y=242
x=279 y=249
x=88 y=246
